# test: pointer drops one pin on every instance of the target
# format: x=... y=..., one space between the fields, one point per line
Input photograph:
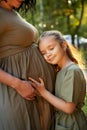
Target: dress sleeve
x=73 y=87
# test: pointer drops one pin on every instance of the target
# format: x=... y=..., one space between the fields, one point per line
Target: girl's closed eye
x=51 y=48
x=43 y=53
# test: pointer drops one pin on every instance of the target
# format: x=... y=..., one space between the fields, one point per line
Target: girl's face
x=51 y=50
x=14 y=3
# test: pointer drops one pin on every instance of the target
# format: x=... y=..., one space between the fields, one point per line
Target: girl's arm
x=67 y=107
x=24 y=88
x=60 y=104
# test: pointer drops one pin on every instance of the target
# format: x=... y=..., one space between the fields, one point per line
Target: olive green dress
x=71 y=87
x=21 y=58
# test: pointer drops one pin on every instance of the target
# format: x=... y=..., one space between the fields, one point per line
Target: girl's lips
x=51 y=59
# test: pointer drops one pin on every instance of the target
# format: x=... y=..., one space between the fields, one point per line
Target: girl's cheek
x=45 y=57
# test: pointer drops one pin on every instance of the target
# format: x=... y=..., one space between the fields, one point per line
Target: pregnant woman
x=20 y=108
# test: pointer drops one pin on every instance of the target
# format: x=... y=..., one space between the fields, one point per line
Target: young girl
x=70 y=86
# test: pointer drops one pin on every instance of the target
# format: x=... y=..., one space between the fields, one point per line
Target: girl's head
x=54 y=47
x=17 y=4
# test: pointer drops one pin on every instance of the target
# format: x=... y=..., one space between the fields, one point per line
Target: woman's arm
x=60 y=104
x=24 y=88
x=8 y=79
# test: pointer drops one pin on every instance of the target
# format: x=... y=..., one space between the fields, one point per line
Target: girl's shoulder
x=74 y=67
x=76 y=70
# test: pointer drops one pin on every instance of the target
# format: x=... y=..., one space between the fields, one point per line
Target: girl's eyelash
x=43 y=53
x=51 y=48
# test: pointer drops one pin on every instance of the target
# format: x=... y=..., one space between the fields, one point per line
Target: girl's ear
x=64 y=45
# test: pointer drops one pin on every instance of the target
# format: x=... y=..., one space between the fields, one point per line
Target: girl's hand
x=39 y=86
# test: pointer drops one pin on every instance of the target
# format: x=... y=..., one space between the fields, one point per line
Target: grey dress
x=71 y=87
x=21 y=58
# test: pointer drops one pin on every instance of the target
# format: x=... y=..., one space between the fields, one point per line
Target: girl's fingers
x=34 y=85
x=30 y=98
x=41 y=81
x=37 y=84
x=33 y=80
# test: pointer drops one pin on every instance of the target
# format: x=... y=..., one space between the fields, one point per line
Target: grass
x=85 y=106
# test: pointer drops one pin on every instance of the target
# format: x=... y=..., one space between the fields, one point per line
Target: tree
x=65 y=16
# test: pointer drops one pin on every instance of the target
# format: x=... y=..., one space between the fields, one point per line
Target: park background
x=67 y=16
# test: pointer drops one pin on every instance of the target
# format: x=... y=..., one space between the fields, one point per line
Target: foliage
x=85 y=106
x=67 y=16
x=84 y=56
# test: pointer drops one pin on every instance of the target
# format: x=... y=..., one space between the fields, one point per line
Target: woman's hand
x=39 y=86
x=25 y=89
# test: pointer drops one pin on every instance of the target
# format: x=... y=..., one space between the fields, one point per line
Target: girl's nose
x=48 y=54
